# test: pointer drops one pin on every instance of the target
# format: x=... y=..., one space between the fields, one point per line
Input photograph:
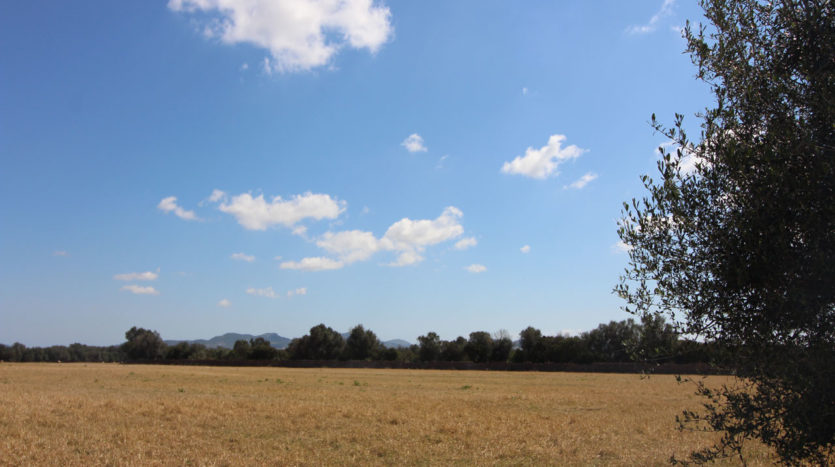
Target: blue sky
x=204 y=166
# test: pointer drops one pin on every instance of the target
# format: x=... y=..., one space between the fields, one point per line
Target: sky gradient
x=204 y=166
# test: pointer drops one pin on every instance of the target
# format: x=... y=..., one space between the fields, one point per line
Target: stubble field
x=143 y=414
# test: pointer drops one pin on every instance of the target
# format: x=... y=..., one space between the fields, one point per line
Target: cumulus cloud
x=525 y=249
x=169 y=204
x=406 y=237
x=267 y=292
x=581 y=182
x=299 y=291
x=140 y=290
x=137 y=276
x=665 y=10
x=476 y=268
x=256 y=213
x=465 y=243
x=317 y=263
x=407 y=234
x=299 y=34
x=349 y=245
x=224 y=303
x=242 y=257
x=543 y=162
x=414 y=143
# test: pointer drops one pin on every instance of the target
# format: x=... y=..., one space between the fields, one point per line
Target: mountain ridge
x=228 y=339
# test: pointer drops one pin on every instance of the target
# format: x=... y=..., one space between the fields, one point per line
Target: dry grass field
x=60 y=414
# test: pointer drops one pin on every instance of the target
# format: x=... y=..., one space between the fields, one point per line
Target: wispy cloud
x=298 y=291
x=476 y=268
x=169 y=204
x=266 y=292
x=140 y=290
x=318 y=263
x=242 y=257
x=525 y=249
x=60 y=253
x=137 y=276
x=581 y=182
x=224 y=303
x=465 y=243
x=665 y=10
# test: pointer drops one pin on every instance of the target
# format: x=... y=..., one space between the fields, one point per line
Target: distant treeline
x=651 y=340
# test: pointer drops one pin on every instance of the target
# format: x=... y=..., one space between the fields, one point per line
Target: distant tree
x=454 y=351
x=735 y=243
x=241 y=349
x=260 y=349
x=656 y=340
x=502 y=346
x=531 y=345
x=322 y=343
x=362 y=344
x=611 y=342
x=479 y=347
x=430 y=347
x=143 y=344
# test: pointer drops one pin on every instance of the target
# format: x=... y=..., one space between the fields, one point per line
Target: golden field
x=60 y=414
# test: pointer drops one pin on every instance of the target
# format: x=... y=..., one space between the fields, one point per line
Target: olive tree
x=735 y=242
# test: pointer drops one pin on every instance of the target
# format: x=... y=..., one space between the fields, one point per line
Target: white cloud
x=525 y=249
x=476 y=268
x=414 y=143
x=665 y=10
x=299 y=34
x=688 y=157
x=409 y=238
x=407 y=234
x=242 y=257
x=465 y=243
x=318 y=263
x=224 y=303
x=258 y=214
x=217 y=195
x=440 y=164
x=299 y=291
x=60 y=253
x=349 y=245
x=621 y=247
x=245 y=66
x=137 y=276
x=543 y=162
x=140 y=290
x=267 y=292
x=582 y=181
x=169 y=204
x=407 y=258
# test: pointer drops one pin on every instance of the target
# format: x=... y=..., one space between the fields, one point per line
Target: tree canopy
x=735 y=242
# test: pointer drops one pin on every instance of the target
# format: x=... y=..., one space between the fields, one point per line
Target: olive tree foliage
x=735 y=242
